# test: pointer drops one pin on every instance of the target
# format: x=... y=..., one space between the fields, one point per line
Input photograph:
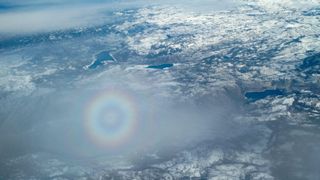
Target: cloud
x=56 y=121
x=49 y=19
x=25 y=17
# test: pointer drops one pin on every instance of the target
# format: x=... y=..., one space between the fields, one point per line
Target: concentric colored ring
x=110 y=118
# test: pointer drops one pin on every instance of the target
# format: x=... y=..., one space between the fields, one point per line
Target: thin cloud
x=49 y=19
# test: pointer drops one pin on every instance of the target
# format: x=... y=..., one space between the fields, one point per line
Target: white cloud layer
x=33 y=21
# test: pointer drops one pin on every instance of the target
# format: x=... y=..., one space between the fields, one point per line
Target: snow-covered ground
x=215 y=59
